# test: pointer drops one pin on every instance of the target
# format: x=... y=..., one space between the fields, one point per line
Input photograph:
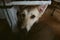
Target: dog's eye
x=23 y=15
x=33 y=16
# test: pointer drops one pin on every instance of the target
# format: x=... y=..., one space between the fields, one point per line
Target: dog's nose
x=24 y=28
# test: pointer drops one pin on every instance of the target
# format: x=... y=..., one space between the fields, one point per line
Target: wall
x=2 y=16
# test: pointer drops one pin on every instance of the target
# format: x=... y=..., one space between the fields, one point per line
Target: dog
x=28 y=15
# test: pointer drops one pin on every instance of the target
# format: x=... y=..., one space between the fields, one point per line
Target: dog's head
x=29 y=15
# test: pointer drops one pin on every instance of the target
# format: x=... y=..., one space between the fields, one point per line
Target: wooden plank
x=28 y=3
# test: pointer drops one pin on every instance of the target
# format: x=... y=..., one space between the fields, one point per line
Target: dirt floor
x=47 y=28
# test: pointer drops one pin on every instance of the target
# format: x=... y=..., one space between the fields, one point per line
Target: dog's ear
x=42 y=8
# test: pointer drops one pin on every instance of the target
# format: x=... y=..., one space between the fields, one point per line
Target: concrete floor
x=47 y=28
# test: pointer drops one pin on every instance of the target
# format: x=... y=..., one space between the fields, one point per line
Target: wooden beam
x=28 y=3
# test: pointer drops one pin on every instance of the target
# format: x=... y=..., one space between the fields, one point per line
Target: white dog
x=30 y=15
